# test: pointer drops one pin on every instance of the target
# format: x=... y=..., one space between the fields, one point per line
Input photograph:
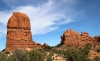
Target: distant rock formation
x=97 y=38
x=73 y=38
x=45 y=45
x=70 y=37
x=19 y=35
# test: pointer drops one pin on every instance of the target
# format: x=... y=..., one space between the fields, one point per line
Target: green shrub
x=19 y=55
x=59 y=45
x=36 y=55
x=49 y=58
x=3 y=56
x=7 y=52
x=98 y=50
x=97 y=58
x=75 y=55
x=47 y=48
x=86 y=49
x=51 y=54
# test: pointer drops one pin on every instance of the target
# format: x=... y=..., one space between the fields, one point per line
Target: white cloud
x=44 y=18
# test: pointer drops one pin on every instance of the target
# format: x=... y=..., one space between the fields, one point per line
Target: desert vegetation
x=19 y=55
x=48 y=53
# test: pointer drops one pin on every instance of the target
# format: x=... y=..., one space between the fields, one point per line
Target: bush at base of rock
x=75 y=55
x=49 y=58
x=36 y=55
x=3 y=56
x=86 y=49
x=47 y=48
x=33 y=55
x=98 y=50
x=96 y=58
x=19 y=55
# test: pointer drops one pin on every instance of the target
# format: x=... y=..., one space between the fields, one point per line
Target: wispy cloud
x=44 y=18
x=14 y=3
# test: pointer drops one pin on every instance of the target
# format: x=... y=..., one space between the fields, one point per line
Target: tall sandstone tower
x=19 y=35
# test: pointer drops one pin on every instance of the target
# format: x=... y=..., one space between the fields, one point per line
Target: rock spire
x=19 y=35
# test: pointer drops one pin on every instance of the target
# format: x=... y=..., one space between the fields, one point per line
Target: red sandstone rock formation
x=97 y=38
x=70 y=37
x=19 y=35
x=45 y=44
x=73 y=38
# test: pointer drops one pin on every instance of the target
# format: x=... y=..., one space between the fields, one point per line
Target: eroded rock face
x=73 y=38
x=97 y=38
x=70 y=37
x=19 y=35
x=19 y=21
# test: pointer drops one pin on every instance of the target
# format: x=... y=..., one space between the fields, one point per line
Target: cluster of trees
x=19 y=55
x=74 y=54
x=3 y=56
x=70 y=54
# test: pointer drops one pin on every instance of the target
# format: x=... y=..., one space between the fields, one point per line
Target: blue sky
x=50 y=18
